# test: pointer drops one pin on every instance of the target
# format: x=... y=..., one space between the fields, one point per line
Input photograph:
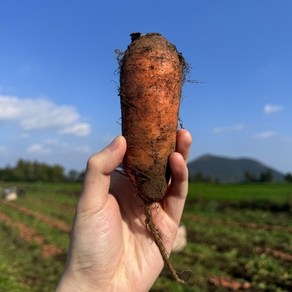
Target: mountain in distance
x=229 y=170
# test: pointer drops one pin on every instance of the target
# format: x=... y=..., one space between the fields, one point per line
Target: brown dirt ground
x=30 y=235
x=249 y=225
x=284 y=256
x=229 y=283
x=44 y=218
x=275 y=253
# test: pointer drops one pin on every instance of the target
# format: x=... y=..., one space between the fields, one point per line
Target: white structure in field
x=9 y=194
x=180 y=241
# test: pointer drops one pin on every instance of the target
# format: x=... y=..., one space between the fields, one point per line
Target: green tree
x=250 y=177
x=266 y=176
x=33 y=171
x=288 y=177
x=73 y=175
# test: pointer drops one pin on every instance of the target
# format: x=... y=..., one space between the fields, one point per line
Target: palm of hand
x=121 y=245
x=110 y=247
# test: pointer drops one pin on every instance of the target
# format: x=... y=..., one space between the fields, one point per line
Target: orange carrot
x=151 y=77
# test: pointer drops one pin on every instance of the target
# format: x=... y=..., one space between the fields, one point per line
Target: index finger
x=183 y=143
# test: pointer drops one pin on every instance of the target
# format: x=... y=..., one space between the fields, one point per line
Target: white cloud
x=33 y=114
x=83 y=149
x=38 y=149
x=9 y=108
x=44 y=114
x=24 y=135
x=264 y=135
x=272 y=108
x=52 y=141
x=54 y=146
x=219 y=130
x=80 y=129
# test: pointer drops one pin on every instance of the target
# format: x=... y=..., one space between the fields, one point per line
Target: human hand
x=111 y=248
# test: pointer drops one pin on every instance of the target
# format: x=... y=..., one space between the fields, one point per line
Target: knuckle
x=93 y=162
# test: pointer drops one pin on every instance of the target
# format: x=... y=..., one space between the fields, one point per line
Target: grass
x=23 y=268
x=275 y=193
x=242 y=233
x=235 y=231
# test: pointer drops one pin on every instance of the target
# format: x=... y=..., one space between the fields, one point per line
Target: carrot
x=151 y=77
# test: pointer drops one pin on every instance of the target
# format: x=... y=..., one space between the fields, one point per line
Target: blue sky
x=58 y=75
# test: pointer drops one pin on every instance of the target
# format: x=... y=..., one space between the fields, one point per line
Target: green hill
x=230 y=170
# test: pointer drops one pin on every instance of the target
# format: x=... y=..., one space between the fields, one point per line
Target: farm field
x=239 y=238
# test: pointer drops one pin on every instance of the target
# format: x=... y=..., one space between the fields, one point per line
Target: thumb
x=97 y=176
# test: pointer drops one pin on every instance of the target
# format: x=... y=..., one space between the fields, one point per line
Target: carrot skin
x=151 y=77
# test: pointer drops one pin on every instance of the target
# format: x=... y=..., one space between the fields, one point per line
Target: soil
x=41 y=217
x=30 y=235
x=281 y=255
x=275 y=253
x=248 y=225
x=228 y=283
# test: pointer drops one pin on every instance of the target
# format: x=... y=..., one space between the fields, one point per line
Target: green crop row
x=238 y=192
x=22 y=267
x=240 y=232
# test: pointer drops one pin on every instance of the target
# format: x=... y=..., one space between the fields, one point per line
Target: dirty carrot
x=151 y=77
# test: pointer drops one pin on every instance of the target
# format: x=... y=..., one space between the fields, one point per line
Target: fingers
x=97 y=176
x=177 y=192
x=183 y=143
x=175 y=199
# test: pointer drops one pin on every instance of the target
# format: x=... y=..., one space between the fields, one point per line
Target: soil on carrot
x=151 y=75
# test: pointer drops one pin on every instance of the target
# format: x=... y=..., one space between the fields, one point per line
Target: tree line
x=248 y=177
x=33 y=171
x=266 y=176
